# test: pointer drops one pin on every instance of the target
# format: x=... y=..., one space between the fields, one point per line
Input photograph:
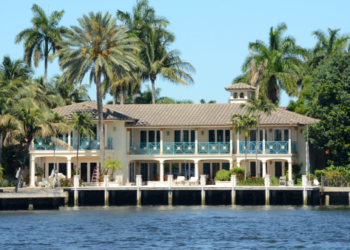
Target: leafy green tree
x=42 y=39
x=258 y=107
x=83 y=123
x=15 y=69
x=331 y=105
x=112 y=165
x=244 y=123
x=159 y=60
x=102 y=48
x=282 y=66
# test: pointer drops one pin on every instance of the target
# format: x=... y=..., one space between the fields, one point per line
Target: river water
x=163 y=227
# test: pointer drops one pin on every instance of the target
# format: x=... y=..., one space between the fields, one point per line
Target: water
x=163 y=227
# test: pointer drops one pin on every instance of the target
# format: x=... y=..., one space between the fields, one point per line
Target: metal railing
x=276 y=147
x=61 y=143
x=174 y=148
x=335 y=181
x=140 y=148
x=252 y=147
x=213 y=147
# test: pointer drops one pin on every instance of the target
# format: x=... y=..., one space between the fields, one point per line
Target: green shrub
x=239 y=172
x=223 y=175
x=274 y=181
x=252 y=182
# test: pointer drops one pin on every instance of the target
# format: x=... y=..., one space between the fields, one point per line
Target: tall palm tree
x=326 y=45
x=142 y=16
x=36 y=122
x=282 y=64
x=243 y=123
x=98 y=46
x=83 y=124
x=70 y=92
x=258 y=107
x=42 y=39
x=158 y=60
x=15 y=69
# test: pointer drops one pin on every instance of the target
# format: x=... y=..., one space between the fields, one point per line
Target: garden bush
x=239 y=172
x=252 y=182
x=274 y=181
x=223 y=175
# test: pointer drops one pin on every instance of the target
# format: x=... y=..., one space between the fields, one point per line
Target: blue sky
x=212 y=35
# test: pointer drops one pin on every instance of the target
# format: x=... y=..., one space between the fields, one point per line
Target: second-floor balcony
x=62 y=143
x=178 y=148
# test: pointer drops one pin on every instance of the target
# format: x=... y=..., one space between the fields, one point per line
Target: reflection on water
x=177 y=227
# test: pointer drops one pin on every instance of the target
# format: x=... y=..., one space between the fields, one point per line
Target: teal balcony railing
x=51 y=143
x=213 y=147
x=253 y=147
x=88 y=143
x=140 y=148
x=276 y=147
x=173 y=148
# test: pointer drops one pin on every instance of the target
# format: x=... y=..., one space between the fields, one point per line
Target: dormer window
x=241 y=95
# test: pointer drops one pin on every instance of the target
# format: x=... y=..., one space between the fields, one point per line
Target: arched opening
x=235 y=95
x=241 y=95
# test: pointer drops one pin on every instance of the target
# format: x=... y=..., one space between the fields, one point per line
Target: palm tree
x=43 y=37
x=70 y=92
x=113 y=165
x=326 y=45
x=83 y=124
x=15 y=69
x=35 y=122
x=159 y=61
x=282 y=66
x=98 y=46
x=142 y=17
x=258 y=107
x=243 y=123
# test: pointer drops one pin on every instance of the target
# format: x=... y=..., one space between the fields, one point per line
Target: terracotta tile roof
x=240 y=86
x=176 y=115
x=91 y=108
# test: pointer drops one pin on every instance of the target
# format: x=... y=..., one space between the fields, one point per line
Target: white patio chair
x=283 y=181
x=194 y=180
x=180 y=180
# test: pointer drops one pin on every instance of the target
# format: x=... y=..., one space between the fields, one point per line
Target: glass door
x=278 y=135
x=62 y=168
x=144 y=171
x=278 y=169
x=131 y=172
x=252 y=169
x=214 y=167
x=83 y=171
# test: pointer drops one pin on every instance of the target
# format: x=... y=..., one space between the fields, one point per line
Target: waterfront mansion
x=176 y=139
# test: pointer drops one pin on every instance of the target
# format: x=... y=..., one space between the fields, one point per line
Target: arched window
x=235 y=95
x=241 y=95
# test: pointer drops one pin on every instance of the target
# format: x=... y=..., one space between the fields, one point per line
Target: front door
x=215 y=168
x=278 y=169
x=93 y=165
x=50 y=168
x=252 y=169
x=144 y=171
x=83 y=171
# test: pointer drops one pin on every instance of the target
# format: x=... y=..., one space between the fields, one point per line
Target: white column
x=289 y=140
x=161 y=167
x=231 y=141
x=290 y=177
x=264 y=168
x=161 y=141
x=238 y=163
x=238 y=142
x=69 y=168
x=88 y=172
x=231 y=164
x=127 y=141
x=32 y=171
x=106 y=138
x=69 y=139
x=196 y=141
x=196 y=170
x=264 y=150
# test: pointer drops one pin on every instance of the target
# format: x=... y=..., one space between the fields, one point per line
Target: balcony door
x=277 y=135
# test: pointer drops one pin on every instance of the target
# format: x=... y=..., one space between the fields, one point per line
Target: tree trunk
x=100 y=116
x=46 y=55
x=23 y=163
x=76 y=167
x=153 y=79
x=256 y=151
x=245 y=163
x=134 y=98
x=114 y=99
x=121 y=96
x=1 y=138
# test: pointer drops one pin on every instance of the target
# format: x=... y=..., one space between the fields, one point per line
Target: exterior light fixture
x=270 y=130
x=202 y=132
x=167 y=133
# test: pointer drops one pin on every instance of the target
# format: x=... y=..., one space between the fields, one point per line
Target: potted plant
x=222 y=177
x=111 y=165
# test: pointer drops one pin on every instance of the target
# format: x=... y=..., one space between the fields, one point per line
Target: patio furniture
x=156 y=177
x=180 y=180
x=283 y=181
x=193 y=180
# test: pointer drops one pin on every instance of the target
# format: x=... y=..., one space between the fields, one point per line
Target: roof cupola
x=240 y=92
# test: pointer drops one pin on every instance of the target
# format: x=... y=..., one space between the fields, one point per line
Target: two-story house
x=179 y=139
